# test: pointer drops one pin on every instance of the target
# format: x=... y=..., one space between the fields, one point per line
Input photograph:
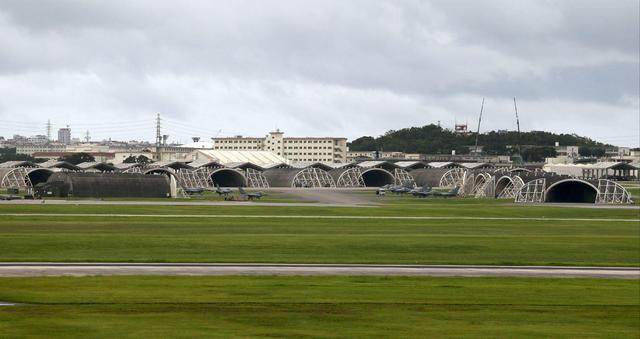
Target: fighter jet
x=407 y=187
x=194 y=190
x=10 y=197
x=223 y=191
x=422 y=192
x=452 y=193
x=250 y=196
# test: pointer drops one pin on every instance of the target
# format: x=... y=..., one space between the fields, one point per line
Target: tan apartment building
x=299 y=149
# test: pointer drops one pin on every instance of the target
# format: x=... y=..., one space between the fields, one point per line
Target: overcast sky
x=321 y=68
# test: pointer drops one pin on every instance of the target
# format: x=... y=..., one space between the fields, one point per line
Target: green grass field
x=365 y=307
x=455 y=231
x=294 y=235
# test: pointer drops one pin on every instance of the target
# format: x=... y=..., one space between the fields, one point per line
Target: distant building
x=362 y=155
x=30 y=149
x=64 y=135
x=462 y=129
x=567 y=151
x=52 y=155
x=301 y=149
x=38 y=139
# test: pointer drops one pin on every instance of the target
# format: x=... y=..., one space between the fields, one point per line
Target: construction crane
x=479 y=121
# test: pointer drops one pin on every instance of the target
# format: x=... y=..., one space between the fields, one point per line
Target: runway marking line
x=245 y=216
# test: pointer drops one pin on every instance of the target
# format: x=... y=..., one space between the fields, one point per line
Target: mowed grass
x=365 y=307
x=576 y=238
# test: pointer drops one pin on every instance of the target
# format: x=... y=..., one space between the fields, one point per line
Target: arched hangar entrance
x=376 y=177
x=227 y=177
x=572 y=190
x=39 y=175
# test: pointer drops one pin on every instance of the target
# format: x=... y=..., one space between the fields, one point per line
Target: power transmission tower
x=158 y=137
x=87 y=137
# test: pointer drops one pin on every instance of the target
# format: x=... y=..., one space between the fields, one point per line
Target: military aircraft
x=252 y=195
x=194 y=190
x=223 y=191
x=422 y=192
x=407 y=187
x=9 y=197
x=452 y=193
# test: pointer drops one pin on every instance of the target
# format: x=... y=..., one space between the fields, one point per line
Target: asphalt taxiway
x=101 y=269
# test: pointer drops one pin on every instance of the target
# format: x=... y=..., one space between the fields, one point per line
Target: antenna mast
x=479 y=121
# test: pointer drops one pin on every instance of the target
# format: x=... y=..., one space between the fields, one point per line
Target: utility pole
x=479 y=121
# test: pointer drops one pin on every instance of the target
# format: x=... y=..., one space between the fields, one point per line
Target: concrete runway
x=93 y=269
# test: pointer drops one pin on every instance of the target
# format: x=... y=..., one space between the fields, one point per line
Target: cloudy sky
x=338 y=68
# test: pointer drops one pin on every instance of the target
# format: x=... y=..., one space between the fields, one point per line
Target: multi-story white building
x=29 y=149
x=304 y=149
x=38 y=139
x=64 y=135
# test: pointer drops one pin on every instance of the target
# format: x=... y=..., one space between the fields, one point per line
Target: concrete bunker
x=104 y=185
x=39 y=175
x=571 y=191
x=376 y=177
x=227 y=177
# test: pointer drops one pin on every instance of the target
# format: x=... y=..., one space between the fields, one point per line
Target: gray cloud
x=320 y=67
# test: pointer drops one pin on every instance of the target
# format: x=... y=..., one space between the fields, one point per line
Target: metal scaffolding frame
x=198 y=178
x=468 y=182
x=532 y=192
x=402 y=177
x=610 y=192
x=134 y=170
x=512 y=188
x=453 y=178
x=484 y=186
x=256 y=179
x=17 y=178
x=352 y=177
x=313 y=177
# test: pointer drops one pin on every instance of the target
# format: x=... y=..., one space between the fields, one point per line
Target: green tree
x=77 y=158
x=433 y=139
x=9 y=154
x=140 y=159
x=538 y=154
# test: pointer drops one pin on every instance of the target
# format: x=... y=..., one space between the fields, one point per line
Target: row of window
x=239 y=147
x=239 y=141
x=258 y=141
x=314 y=147
x=308 y=141
x=289 y=153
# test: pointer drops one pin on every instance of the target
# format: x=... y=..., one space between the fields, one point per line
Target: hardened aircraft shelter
x=582 y=183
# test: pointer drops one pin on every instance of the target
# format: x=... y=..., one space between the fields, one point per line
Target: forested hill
x=432 y=139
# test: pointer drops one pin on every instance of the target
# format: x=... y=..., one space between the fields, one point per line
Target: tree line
x=433 y=139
